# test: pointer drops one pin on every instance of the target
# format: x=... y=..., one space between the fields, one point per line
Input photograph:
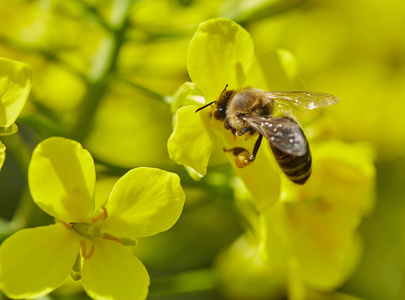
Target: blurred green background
x=103 y=71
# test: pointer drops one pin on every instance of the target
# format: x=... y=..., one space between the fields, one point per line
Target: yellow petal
x=192 y=140
x=245 y=276
x=15 y=86
x=2 y=154
x=220 y=53
x=273 y=70
x=61 y=178
x=329 y=256
x=145 y=201
x=112 y=272
x=36 y=261
x=185 y=95
x=316 y=223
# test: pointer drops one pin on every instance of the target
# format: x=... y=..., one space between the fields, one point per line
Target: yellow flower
x=144 y=202
x=222 y=53
x=15 y=86
x=308 y=242
x=312 y=230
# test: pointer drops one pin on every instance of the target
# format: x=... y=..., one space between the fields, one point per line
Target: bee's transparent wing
x=283 y=133
x=301 y=99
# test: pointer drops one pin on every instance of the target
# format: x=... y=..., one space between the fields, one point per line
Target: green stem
x=91 y=13
x=266 y=10
x=105 y=64
x=149 y=93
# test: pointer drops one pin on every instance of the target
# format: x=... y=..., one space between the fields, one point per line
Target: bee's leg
x=242 y=156
x=236 y=151
x=256 y=148
x=242 y=131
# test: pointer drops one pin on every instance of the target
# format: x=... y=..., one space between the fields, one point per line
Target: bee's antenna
x=206 y=105
x=224 y=89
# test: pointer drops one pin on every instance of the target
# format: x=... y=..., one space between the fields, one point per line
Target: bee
x=252 y=110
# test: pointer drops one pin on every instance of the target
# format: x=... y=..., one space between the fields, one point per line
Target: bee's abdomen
x=296 y=168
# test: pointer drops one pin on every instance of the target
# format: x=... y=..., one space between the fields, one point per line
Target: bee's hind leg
x=256 y=148
x=242 y=156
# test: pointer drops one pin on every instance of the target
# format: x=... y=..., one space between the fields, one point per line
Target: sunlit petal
x=35 y=261
x=61 y=178
x=112 y=272
x=145 y=201
x=186 y=94
x=192 y=140
x=274 y=70
x=220 y=53
x=15 y=86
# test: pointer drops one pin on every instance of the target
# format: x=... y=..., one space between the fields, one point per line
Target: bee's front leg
x=243 y=131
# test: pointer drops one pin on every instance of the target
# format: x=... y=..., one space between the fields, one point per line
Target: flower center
x=90 y=231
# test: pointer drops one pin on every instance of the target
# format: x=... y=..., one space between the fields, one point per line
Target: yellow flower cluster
x=104 y=71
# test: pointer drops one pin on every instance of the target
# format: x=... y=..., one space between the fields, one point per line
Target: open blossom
x=308 y=234
x=222 y=53
x=88 y=235
x=313 y=230
x=308 y=243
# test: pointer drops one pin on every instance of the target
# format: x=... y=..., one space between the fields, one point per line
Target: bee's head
x=222 y=104
x=220 y=112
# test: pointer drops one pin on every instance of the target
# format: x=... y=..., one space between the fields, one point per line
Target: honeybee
x=252 y=110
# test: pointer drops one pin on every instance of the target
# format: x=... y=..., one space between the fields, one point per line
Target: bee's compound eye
x=220 y=113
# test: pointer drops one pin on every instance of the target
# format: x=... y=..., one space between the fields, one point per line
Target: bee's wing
x=301 y=99
x=283 y=133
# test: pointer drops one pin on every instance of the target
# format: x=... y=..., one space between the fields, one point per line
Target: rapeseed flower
x=308 y=242
x=308 y=232
x=313 y=230
x=89 y=235
x=222 y=53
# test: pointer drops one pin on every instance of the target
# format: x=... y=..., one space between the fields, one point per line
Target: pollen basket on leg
x=242 y=159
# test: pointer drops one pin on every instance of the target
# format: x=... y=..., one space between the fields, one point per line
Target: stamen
x=67 y=225
x=86 y=255
x=102 y=216
x=110 y=237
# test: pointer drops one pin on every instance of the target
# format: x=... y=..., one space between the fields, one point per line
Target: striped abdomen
x=296 y=168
